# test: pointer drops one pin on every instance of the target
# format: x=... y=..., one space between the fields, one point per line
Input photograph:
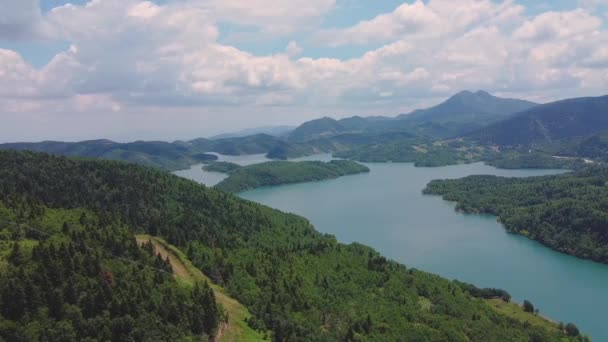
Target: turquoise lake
x=386 y=210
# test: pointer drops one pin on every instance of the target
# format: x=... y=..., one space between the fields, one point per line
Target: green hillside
x=67 y=274
x=422 y=152
x=284 y=172
x=565 y=212
x=222 y=167
x=163 y=155
x=299 y=284
x=548 y=123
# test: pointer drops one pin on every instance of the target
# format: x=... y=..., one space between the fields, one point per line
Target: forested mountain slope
x=548 y=123
x=159 y=154
x=70 y=275
x=567 y=212
x=477 y=109
x=302 y=285
x=163 y=155
x=459 y=114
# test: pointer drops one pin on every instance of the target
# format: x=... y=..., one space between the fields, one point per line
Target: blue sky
x=130 y=69
x=346 y=13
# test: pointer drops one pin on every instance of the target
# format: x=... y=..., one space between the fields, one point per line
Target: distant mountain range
x=477 y=108
x=548 y=123
x=169 y=156
x=277 y=131
x=461 y=113
x=506 y=122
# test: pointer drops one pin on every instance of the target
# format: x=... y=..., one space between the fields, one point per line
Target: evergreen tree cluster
x=87 y=281
x=567 y=212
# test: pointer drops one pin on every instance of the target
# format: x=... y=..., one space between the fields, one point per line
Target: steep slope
x=70 y=275
x=477 y=108
x=296 y=282
x=320 y=128
x=236 y=328
x=460 y=113
x=548 y=123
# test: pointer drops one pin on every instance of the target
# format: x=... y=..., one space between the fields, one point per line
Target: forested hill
x=159 y=154
x=69 y=275
x=163 y=155
x=302 y=285
x=459 y=114
x=285 y=172
x=548 y=123
x=476 y=108
x=568 y=212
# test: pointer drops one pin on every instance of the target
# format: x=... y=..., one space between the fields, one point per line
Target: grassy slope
x=237 y=329
x=517 y=312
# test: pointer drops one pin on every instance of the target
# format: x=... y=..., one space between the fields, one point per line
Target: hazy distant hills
x=277 y=131
x=548 y=123
x=327 y=127
x=164 y=155
x=150 y=153
x=253 y=144
x=461 y=113
x=467 y=107
x=569 y=122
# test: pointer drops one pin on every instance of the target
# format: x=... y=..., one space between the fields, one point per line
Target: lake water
x=386 y=210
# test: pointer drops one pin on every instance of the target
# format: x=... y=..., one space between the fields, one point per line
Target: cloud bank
x=131 y=58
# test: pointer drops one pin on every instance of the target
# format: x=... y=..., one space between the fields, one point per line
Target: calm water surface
x=385 y=209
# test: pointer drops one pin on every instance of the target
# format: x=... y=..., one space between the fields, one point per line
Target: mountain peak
x=470 y=94
x=482 y=93
x=474 y=108
x=464 y=93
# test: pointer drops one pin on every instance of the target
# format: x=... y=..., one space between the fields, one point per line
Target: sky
x=180 y=69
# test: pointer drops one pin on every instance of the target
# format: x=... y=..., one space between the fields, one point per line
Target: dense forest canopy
x=222 y=167
x=430 y=153
x=67 y=275
x=285 y=172
x=567 y=212
x=421 y=152
x=298 y=283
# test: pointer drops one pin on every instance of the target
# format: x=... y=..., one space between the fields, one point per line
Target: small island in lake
x=285 y=172
x=222 y=167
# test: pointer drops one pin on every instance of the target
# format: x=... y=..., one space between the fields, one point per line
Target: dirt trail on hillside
x=182 y=272
x=179 y=269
